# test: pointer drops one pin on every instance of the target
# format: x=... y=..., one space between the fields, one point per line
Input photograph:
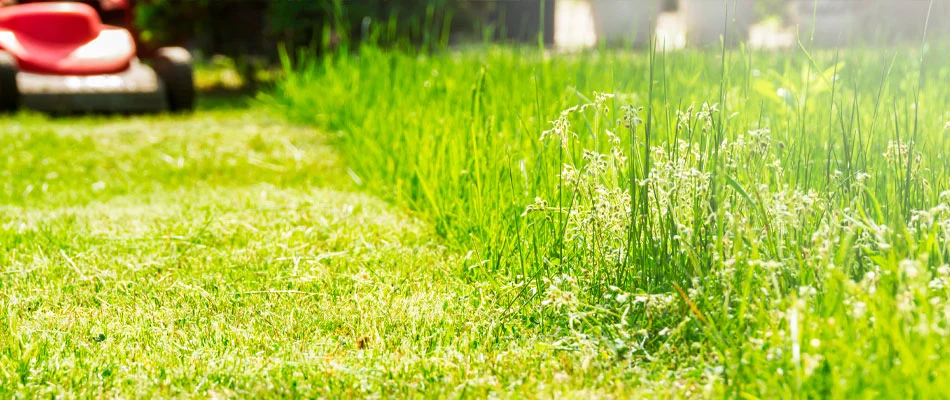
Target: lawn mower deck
x=137 y=89
x=59 y=57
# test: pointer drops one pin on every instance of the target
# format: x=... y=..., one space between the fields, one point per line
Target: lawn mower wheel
x=9 y=94
x=173 y=66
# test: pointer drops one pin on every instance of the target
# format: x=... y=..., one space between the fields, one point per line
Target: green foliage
x=171 y=21
x=410 y=21
x=307 y=23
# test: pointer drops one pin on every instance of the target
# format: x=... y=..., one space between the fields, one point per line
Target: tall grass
x=782 y=218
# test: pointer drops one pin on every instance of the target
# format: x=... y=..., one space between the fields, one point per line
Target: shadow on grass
x=217 y=100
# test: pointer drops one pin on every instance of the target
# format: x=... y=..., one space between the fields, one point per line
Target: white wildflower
x=858 y=309
x=909 y=268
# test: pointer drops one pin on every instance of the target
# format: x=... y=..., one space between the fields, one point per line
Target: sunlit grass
x=773 y=219
x=493 y=221
x=228 y=253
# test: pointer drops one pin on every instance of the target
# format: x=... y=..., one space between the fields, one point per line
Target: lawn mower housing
x=60 y=57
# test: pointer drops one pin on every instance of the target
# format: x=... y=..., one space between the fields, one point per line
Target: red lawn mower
x=61 y=57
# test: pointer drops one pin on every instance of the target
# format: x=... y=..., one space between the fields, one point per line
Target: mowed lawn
x=229 y=253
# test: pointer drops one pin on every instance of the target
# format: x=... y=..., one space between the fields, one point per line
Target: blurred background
x=245 y=35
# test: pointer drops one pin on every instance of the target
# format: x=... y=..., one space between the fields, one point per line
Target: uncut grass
x=456 y=136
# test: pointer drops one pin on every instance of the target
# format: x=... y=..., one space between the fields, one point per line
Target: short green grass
x=230 y=253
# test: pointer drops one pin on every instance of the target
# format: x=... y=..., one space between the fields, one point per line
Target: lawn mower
x=60 y=57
